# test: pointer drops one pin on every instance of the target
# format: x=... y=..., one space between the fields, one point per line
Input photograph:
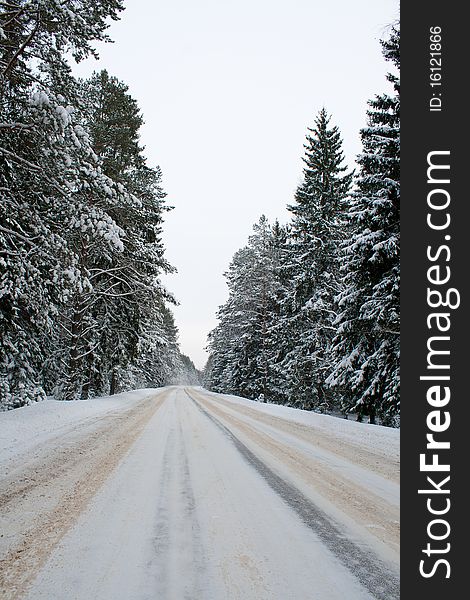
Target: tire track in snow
x=176 y=523
x=381 y=463
x=354 y=498
x=376 y=577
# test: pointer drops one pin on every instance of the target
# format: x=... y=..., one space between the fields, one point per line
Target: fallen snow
x=185 y=517
x=24 y=428
x=373 y=437
x=183 y=514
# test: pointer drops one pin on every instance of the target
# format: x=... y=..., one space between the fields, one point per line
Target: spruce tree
x=366 y=347
x=310 y=266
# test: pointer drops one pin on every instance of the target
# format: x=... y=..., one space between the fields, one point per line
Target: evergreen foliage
x=275 y=330
x=241 y=345
x=308 y=309
x=367 y=344
x=81 y=303
x=312 y=318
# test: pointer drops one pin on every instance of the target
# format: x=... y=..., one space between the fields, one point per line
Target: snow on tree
x=158 y=359
x=310 y=267
x=126 y=285
x=367 y=345
x=187 y=373
x=276 y=344
x=36 y=179
x=275 y=330
x=81 y=214
x=240 y=346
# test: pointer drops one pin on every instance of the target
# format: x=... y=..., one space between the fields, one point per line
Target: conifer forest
x=82 y=310
x=312 y=316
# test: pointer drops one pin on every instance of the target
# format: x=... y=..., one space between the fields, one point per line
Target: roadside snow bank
x=23 y=428
x=373 y=437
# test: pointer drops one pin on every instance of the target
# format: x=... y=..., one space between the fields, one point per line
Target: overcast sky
x=227 y=89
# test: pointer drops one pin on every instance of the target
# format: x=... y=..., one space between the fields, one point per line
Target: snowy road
x=183 y=494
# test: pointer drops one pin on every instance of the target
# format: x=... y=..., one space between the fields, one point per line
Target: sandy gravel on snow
x=182 y=493
x=41 y=497
x=341 y=487
x=186 y=516
x=384 y=461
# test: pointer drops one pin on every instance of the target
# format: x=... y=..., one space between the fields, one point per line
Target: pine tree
x=36 y=175
x=277 y=344
x=310 y=266
x=187 y=374
x=367 y=344
x=126 y=286
x=80 y=218
x=114 y=121
x=241 y=347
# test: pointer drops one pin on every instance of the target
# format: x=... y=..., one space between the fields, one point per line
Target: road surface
x=185 y=494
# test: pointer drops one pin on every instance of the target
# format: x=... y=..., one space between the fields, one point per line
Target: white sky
x=227 y=89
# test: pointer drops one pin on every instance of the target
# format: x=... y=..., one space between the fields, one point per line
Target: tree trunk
x=113 y=385
x=74 y=375
x=87 y=383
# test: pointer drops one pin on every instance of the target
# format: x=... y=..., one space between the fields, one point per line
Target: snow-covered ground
x=24 y=428
x=180 y=493
x=375 y=437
